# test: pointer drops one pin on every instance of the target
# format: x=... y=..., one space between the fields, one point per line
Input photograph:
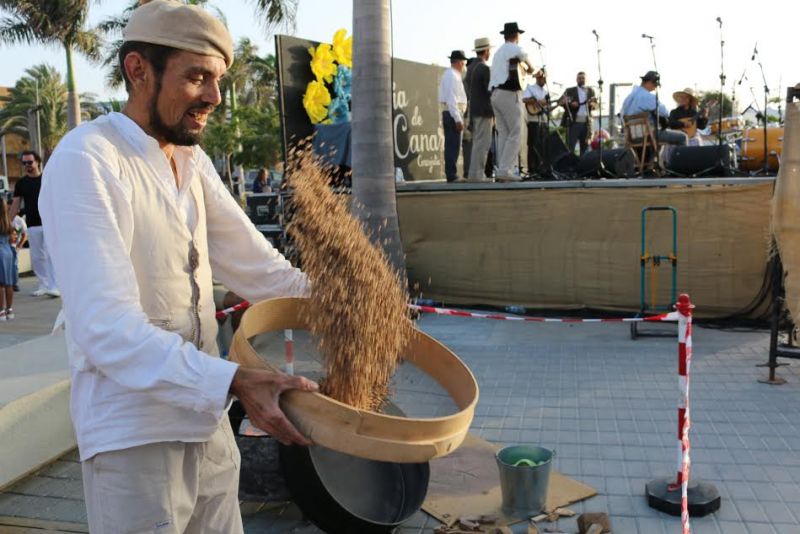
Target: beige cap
x=174 y=24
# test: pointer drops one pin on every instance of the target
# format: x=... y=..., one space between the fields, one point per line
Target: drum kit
x=748 y=143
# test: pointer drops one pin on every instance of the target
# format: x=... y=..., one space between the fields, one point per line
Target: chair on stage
x=639 y=136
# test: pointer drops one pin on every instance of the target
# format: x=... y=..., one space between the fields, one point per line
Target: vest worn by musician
x=572 y=95
x=171 y=262
x=512 y=83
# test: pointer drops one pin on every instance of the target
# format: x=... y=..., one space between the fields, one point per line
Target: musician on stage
x=537 y=99
x=642 y=100
x=686 y=116
x=578 y=102
x=453 y=103
x=507 y=102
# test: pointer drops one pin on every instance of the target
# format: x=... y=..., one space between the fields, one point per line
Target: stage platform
x=577 y=244
x=439 y=185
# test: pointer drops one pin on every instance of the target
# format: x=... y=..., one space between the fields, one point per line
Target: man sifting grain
x=137 y=218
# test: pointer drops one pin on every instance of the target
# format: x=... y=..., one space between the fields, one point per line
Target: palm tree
x=53 y=22
x=17 y=114
x=372 y=139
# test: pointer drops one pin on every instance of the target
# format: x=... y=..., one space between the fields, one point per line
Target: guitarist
x=537 y=111
x=686 y=116
x=504 y=83
x=578 y=102
x=642 y=100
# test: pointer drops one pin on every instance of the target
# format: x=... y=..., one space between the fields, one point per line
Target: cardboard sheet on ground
x=466 y=483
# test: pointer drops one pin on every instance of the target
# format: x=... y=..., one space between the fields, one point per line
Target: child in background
x=6 y=264
x=19 y=240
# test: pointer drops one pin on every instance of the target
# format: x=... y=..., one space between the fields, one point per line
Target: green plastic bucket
x=524 y=475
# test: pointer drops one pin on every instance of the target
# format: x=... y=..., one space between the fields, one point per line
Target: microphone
x=644 y=35
x=719 y=19
x=595 y=33
x=755 y=51
x=537 y=42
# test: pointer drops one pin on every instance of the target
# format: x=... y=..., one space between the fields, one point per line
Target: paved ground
x=607 y=404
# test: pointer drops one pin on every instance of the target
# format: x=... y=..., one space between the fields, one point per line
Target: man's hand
x=259 y=392
x=460 y=126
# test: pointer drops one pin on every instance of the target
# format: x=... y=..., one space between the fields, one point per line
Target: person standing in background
x=20 y=238
x=27 y=190
x=453 y=103
x=578 y=102
x=6 y=264
x=481 y=115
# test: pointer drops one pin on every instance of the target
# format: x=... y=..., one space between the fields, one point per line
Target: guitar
x=690 y=124
x=535 y=108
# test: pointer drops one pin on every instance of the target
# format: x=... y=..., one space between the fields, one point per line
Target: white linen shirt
x=452 y=94
x=537 y=92
x=134 y=382
x=500 y=59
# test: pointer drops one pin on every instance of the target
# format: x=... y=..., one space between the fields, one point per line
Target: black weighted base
x=703 y=497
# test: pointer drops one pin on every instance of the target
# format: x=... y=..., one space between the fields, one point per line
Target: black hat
x=510 y=28
x=457 y=54
x=651 y=76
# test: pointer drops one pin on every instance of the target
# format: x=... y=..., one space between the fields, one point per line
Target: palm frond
x=276 y=14
x=14 y=32
x=90 y=44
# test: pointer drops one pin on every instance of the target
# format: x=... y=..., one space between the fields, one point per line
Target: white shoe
x=55 y=293
x=3 y=316
x=39 y=292
x=10 y=314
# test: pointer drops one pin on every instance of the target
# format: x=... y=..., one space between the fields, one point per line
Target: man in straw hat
x=453 y=104
x=138 y=217
x=481 y=115
x=506 y=101
x=687 y=117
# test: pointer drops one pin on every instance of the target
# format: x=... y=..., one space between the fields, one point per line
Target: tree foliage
x=17 y=114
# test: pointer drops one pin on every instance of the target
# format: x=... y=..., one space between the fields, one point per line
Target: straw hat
x=688 y=92
x=482 y=43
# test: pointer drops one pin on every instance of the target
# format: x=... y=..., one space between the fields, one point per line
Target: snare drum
x=752 y=154
x=729 y=125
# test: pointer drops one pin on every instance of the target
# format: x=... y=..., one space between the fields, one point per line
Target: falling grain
x=358 y=307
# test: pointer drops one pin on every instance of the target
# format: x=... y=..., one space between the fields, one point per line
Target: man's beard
x=581 y=84
x=176 y=134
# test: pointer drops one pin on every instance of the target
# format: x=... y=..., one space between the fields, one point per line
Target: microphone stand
x=544 y=150
x=658 y=84
x=765 y=170
x=601 y=168
x=721 y=82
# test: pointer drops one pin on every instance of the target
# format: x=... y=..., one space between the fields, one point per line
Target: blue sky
x=687 y=38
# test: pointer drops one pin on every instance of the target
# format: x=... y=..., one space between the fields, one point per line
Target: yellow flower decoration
x=322 y=62
x=343 y=48
x=316 y=101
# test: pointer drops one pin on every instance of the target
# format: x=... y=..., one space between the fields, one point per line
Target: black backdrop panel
x=418 y=137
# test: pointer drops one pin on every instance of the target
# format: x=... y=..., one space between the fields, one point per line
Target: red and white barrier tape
x=671 y=316
x=233 y=309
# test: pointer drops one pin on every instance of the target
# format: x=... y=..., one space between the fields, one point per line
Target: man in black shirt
x=27 y=190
